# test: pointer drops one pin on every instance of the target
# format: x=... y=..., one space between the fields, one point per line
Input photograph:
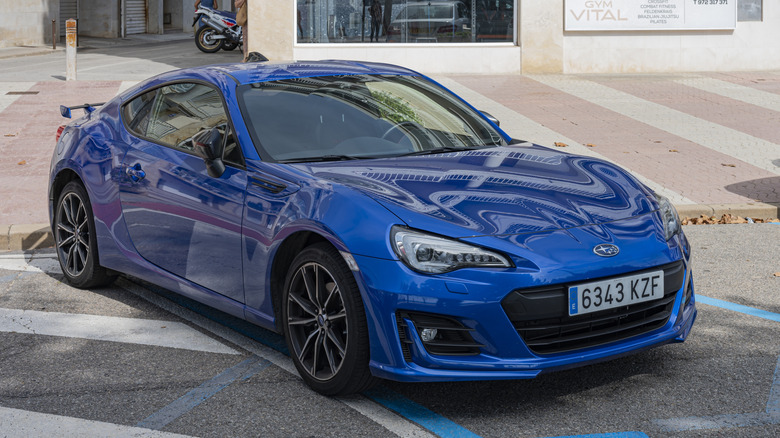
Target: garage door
x=135 y=16
x=68 y=9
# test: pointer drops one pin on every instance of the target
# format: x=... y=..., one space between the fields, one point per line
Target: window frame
x=156 y=91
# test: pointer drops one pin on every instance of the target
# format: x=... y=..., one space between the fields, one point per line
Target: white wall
x=752 y=46
x=27 y=22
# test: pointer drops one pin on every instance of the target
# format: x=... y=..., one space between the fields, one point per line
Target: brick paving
x=688 y=140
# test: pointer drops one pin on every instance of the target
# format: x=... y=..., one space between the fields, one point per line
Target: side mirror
x=208 y=145
x=491 y=118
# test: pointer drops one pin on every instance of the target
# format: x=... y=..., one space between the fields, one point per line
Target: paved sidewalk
x=708 y=141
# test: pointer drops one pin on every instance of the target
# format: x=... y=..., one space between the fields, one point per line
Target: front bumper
x=393 y=295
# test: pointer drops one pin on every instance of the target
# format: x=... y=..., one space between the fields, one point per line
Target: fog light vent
x=441 y=335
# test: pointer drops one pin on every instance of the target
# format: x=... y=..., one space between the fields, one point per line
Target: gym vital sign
x=599 y=15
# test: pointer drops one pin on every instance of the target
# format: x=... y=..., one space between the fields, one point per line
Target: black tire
x=229 y=46
x=205 y=42
x=325 y=323
x=74 y=237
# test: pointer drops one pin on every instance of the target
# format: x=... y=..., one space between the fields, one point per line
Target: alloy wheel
x=317 y=321
x=73 y=234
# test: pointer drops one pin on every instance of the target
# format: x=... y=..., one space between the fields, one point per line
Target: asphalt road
x=126 y=360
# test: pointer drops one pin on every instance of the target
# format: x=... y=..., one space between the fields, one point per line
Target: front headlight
x=668 y=216
x=432 y=254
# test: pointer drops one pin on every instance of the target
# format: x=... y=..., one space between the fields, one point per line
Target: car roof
x=251 y=72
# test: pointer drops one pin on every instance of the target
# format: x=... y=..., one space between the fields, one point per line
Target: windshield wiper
x=321 y=158
x=441 y=150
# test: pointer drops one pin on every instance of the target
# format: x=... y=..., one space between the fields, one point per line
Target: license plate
x=607 y=294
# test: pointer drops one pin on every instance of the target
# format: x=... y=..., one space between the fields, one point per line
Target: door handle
x=136 y=173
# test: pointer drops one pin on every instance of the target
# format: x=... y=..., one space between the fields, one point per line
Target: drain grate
x=20 y=93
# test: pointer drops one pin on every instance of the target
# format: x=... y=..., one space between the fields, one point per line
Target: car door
x=178 y=217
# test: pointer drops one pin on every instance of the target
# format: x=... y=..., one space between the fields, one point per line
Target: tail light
x=59 y=132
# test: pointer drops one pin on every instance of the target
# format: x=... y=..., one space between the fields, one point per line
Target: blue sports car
x=383 y=225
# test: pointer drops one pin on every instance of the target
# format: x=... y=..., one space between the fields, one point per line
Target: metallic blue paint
x=215 y=240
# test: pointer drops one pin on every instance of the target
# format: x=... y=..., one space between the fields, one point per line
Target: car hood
x=496 y=191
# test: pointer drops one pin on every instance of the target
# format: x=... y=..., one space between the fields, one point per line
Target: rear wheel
x=74 y=235
x=325 y=323
x=206 y=41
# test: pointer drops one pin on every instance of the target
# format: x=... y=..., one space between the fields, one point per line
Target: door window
x=173 y=114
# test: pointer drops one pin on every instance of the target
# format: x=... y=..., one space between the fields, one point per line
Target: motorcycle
x=218 y=31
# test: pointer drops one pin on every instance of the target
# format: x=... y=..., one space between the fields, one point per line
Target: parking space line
x=110 y=328
x=421 y=415
x=773 y=405
x=399 y=426
x=16 y=422
x=738 y=308
x=190 y=400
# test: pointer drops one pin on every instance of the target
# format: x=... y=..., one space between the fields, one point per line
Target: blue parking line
x=773 y=405
x=190 y=400
x=419 y=414
x=608 y=435
x=738 y=308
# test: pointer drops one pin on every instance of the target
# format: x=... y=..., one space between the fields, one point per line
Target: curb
x=37 y=236
x=18 y=52
x=25 y=237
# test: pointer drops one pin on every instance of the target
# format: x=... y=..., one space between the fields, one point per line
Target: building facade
x=525 y=36
x=454 y=36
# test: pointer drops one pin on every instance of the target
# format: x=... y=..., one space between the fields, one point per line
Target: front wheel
x=206 y=41
x=75 y=237
x=325 y=323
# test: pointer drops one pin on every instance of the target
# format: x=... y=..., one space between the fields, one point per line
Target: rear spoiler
x=87 y=107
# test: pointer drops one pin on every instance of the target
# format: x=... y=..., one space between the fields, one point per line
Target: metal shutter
x=68 y=9
x=135 y=16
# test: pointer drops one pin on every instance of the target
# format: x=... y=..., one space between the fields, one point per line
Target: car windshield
x=331 y=118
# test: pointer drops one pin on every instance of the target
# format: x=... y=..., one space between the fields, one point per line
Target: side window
x=136 y=113
x=181 y=111
x=173 y=114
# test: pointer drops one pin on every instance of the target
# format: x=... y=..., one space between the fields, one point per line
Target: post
x=54 y=34
x=70 y=49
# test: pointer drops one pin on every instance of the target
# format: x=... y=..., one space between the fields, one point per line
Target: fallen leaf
x=673 y=150
x=560 y=145
x=590 y=145
x=22 y=163
x=777 y=274
x=728 y=165
x=658 y=141
x=11 y=135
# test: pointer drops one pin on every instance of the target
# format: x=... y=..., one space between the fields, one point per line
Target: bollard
x=54 y=34
x=70 y=50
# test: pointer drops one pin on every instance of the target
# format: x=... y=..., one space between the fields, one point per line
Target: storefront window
x=749 y=10
x=405 y=21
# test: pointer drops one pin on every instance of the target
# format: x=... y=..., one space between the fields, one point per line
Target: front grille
x=541 y=318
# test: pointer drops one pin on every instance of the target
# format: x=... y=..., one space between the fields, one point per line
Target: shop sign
x=595 y=15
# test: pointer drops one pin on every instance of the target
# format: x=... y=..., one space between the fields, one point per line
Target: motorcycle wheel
x=204 y=39
x=229 y=46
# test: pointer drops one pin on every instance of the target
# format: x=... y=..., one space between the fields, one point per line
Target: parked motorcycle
x=218 y=31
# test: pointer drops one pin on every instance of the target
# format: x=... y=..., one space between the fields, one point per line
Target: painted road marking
x=190 y=400
x=368 y=408
x=418 y=413
x=711 y=135
x=608 y=435
x=738 y=308
x=110 y=328
x=15 y=422
x=35 y=262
